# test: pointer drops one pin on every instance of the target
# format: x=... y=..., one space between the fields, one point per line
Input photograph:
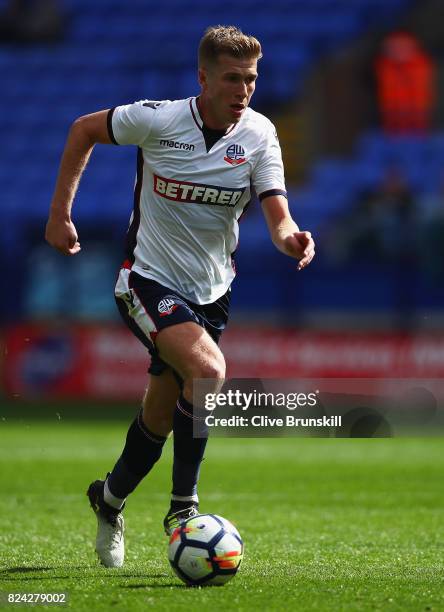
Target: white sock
x=110 y=499
x=185 y=498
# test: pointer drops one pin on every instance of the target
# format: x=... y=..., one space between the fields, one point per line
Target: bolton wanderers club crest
x=166 y=307
x=235 y=155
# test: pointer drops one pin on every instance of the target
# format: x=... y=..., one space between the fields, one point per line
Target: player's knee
x=212 y=368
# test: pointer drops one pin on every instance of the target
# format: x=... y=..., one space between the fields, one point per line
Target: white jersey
x=184 y=227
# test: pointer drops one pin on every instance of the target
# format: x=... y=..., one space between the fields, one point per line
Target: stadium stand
x=335 y=182
x=115 y=52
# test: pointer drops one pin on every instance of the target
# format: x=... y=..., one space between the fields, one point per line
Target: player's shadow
x=24 y=569
x=31 y=572
x=155 y=585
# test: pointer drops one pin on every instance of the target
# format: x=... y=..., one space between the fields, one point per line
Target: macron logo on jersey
x=177 y=145
x=196 y=193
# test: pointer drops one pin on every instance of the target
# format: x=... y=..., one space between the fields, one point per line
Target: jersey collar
x=195 y=113
x=198 y=119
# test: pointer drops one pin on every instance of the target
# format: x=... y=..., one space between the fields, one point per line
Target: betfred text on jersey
x=196 y=193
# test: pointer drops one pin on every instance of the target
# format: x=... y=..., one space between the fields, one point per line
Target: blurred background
x=355 y=89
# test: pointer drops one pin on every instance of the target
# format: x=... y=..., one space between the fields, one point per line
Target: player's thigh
x=170 y=329
x=191 y=351
x=160 y=401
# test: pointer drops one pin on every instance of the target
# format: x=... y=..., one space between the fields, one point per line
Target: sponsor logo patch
x=196 y=193
x=166 y=307
x=153 y=104
x=235 y=155
x=172 y=144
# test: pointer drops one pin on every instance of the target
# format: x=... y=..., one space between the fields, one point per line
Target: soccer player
x=197 y=159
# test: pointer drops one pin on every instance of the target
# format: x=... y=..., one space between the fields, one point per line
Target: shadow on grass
x=25 y=568
x=155 y=585
x=13 y=573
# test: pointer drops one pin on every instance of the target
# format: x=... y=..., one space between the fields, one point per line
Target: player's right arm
x=85 y=132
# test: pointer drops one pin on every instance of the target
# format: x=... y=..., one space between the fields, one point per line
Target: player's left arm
x=285 y=233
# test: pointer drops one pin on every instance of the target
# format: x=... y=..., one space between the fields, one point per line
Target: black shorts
x=147 y=307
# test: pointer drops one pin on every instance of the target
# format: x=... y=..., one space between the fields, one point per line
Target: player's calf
x=142 y=450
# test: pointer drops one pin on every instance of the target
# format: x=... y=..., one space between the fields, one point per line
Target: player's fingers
x=308 y=252
x=306 y=260
x=75 y=249
x=67 y=249
x=309 y=245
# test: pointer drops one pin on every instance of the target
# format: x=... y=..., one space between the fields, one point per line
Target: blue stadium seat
x=115 y=53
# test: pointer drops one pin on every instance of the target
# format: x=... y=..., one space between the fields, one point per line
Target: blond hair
x=230 y=40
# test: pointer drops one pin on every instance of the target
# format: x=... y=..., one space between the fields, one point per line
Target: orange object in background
x=405 y=77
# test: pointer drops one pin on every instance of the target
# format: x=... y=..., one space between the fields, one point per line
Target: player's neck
x=207 y=117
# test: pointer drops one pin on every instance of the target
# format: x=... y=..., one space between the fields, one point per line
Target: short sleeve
x=268 y=172
x=132 y=123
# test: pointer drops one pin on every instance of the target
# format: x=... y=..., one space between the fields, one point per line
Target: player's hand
x=62 y=235
x=300 y=245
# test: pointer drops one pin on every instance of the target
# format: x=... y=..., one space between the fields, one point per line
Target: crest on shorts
x=235 y=155
x=166 y=307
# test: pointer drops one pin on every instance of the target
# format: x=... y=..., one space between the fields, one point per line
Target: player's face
x=227 y=88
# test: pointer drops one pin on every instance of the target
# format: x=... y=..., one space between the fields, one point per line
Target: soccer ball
x=205 y=550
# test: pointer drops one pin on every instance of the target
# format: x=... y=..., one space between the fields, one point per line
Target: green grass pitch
x=327 y=524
